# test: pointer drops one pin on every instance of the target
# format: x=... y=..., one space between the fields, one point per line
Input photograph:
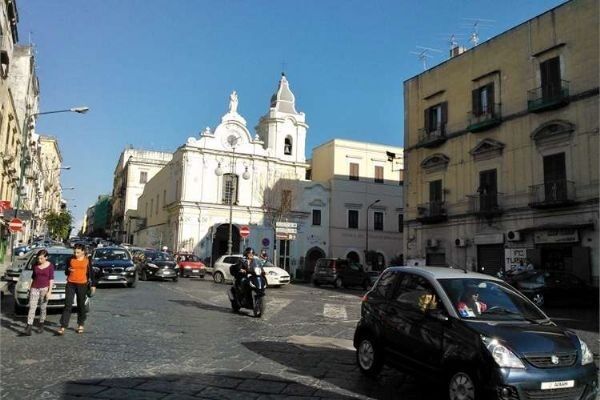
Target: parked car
x=275 y=276
x=190 y=265
x=556 y=288
x=473 y=332
x=157 y=265
x=59 y=257
x=114 y=265
x=221 y=268
x=340 y=273
x=21 y=250
x=14 y=270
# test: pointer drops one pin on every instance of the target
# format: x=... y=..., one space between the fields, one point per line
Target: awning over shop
x=556 y=226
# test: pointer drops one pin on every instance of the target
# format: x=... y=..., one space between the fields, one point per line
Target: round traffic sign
x=266 y=242
x=15 y=225
x=244 y=231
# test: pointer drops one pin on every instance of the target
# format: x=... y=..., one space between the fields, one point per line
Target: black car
x=474 y=333
x=114 y=265
x=555 y=288
x=340 y=273
x=157 y=264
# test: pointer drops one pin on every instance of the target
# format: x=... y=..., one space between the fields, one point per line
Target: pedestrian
x=79 y=278
x=40 y=291
x=263 y=255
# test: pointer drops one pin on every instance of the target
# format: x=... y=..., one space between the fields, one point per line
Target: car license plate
x=167 y=272
x=112 y=277
x=58 y=296
x=557 y=385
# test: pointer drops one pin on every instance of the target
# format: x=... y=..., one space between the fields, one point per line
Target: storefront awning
x=587 y=225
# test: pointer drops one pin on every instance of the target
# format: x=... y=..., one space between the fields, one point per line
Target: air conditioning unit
x=460 y=242
x=513 y=236
x=432 y=243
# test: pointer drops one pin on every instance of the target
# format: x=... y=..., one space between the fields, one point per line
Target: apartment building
x=501 y=150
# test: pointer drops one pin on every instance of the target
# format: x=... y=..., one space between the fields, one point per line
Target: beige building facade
x=366 y=199
x=501 y=150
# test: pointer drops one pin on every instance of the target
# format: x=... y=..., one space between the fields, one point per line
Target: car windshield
x=189 y=258
x=59 y=260
x=156 y=256
x=111 y=254
x=482 y=299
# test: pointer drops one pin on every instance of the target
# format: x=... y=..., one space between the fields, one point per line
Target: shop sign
x=489 y=238
x=513 y=258
x=556 y=236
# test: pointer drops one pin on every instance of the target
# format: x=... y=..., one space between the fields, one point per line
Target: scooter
x=252 y=296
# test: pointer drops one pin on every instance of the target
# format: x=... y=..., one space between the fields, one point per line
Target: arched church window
x=287 y=147
x=230 y=189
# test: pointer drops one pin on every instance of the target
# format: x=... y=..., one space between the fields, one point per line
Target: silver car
x=59 y=257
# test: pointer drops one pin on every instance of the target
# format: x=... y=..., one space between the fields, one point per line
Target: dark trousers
x=72 y=289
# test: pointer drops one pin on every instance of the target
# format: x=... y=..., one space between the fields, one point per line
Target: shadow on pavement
x=217 y=385
x=338 y=367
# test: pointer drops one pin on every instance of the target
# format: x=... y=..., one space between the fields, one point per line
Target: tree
x=59 y=224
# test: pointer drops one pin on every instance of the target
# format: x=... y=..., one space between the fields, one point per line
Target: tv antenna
x=475 y=24
x=423 y=53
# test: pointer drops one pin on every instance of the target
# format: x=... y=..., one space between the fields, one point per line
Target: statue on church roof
x=233 y=102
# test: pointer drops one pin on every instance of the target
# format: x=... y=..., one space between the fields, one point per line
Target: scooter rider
x=240 y=269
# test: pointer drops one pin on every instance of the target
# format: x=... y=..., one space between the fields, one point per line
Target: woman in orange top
x=79 y=274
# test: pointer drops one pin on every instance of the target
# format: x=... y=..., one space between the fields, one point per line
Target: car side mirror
x=438 y=314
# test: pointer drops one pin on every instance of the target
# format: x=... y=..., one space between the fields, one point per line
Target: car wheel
x=316 y=283
x=368 y=356
x=538 y=299
x=218 y=277
x=338 y=283
x=20 y=310
x=462 y=385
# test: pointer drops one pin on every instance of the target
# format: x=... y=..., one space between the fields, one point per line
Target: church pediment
x=435 y=162
x=553 y=132
x=487 y=148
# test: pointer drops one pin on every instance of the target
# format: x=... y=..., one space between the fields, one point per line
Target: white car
x=59 y=257
x=275 y=276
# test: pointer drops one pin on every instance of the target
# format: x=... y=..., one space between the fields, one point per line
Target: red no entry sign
x=244 y=231
x=15 y=225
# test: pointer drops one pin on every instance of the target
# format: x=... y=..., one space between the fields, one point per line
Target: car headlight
x=23 y=286
x=273 y=273
x=501 y=354
x=586 y=355
x=130 y=269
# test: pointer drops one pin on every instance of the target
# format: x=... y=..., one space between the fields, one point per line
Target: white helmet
x=165 y=248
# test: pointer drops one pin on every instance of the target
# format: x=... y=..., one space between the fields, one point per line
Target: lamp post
x=24 y=153
x=246 y=175
x=367 y=232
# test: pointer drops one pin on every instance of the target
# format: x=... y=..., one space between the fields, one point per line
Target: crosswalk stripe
x=274 y=306
x=335 y=311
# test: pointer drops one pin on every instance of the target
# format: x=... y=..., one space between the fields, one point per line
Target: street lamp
x=367 y=232
x=232 y=141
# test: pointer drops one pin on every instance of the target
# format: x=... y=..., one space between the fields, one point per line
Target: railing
x=432 y=212
x=548 y=96
x=485 y=118
x=432 y=138
x=486 y=205
x=554 y=193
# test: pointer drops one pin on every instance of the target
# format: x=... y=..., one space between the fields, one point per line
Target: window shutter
x=426 y=119
x=444 y=106
x=475 y=99
x=490 y=97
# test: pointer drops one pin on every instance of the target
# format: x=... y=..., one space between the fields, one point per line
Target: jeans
x=72 y=289
x=36 y=295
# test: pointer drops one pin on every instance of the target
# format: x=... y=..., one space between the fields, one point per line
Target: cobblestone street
x=165 y=340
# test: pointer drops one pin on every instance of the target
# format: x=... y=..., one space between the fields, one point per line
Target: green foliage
x=59 y=224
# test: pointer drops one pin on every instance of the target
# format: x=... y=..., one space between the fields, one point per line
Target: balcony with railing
x=550 y=194
x=432 y=212
x=432 y=137
x=486 y=205
x=484 y=119
x=548 y=97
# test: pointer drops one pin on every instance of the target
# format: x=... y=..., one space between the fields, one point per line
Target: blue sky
x=156 y=72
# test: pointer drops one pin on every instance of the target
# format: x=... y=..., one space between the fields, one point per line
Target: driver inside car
x=470 y=306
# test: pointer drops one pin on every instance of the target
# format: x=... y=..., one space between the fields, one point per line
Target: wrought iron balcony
x=486 y=205
x=548 y=97
x=484 y=119
x=550 y=194
x=432 y=212
x=432 y=138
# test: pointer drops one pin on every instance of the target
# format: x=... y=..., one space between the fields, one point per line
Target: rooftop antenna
x=423 y=53
x=475 y=24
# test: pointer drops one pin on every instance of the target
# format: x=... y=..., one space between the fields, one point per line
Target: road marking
x=274 y=306
x=335 y=311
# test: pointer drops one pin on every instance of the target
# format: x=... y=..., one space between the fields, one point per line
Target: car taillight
x=365 y=298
